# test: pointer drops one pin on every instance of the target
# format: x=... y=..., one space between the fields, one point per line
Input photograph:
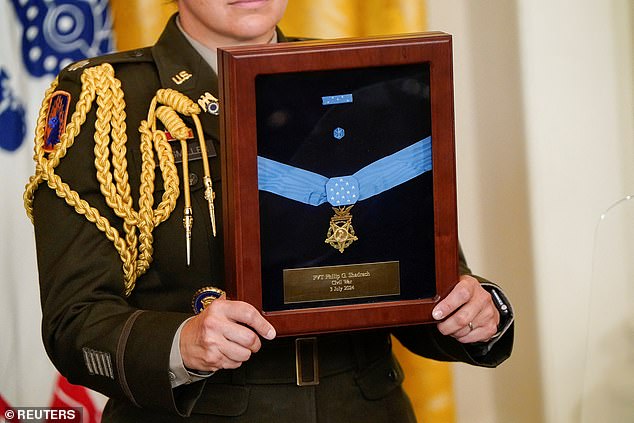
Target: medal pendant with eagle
x=341 y=233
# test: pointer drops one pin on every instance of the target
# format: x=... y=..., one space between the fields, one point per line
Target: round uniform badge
x=205 y=296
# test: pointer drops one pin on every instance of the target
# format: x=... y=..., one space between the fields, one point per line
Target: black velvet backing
x=390 y=111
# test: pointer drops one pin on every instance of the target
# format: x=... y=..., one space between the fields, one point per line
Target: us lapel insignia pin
x=181 y=77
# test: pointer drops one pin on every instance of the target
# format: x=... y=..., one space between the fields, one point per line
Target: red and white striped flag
x=7 y=414
x=68 y=395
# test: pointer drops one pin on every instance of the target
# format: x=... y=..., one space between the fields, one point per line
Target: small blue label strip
x=336 y=99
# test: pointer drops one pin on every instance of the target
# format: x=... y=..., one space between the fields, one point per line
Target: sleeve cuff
x=178 y=373
x=503 y=305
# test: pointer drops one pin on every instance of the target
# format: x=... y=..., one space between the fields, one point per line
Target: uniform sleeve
x=92 y=332
x=427 y=341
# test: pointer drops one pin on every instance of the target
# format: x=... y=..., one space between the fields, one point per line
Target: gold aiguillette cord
x=210 y=195
x=178 y=129
x=188 y=216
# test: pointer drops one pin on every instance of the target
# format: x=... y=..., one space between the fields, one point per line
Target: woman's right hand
x=223 y=335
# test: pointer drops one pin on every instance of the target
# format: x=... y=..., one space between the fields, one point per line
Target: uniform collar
x=183 y=69
x=180 y=66
x=211 y=55
x=173 y=54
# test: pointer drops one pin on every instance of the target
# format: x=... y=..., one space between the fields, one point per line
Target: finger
x=462 y=332
x=459 y=295
x=246 y=314
x=484 y=327
x=217 y=352
x=457 y=324
x=478 y=334
x=200 y=345
x=234 y=352
x=222 y=362
x=481 y=328
x=242 y=336
x=475 y=335
x=476 y=314
x=230 y=364
x=225 y=320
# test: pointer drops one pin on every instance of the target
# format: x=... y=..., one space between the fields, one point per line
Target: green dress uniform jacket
x=120 y=346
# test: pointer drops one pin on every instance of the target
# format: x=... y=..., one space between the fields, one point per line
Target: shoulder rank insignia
x=78 y=65
x=56 y=119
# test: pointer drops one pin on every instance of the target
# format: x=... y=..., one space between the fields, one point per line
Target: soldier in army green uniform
x=117 y=279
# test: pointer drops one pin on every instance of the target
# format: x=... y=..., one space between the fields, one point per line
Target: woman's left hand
x=468 y=312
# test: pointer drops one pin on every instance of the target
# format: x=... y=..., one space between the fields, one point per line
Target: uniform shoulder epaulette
x=128 y=56
x=95 y=87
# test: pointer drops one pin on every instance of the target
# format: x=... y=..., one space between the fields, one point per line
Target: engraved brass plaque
x=330 y=283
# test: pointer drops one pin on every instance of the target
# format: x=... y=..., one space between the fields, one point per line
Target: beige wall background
x=545 y=135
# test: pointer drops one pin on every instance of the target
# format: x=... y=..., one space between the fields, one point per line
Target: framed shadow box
x=338 y=179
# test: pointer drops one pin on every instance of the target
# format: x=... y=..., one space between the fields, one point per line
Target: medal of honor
x=341 y=233
x=205 y=296
x=343 y=192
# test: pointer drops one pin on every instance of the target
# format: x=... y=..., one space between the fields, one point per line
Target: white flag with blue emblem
x=37 y=39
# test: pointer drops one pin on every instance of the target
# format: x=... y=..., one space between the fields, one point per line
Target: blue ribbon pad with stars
x=314 y=189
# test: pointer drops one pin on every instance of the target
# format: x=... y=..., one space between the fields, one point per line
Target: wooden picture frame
x=400 y=264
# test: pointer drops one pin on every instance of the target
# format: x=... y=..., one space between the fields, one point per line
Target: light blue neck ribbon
x=314 y=189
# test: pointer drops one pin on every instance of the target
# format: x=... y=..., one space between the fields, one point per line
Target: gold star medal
x=343 y=193
x=341 y=233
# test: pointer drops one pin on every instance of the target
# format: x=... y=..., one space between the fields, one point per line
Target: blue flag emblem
x=12 y=116
x=57 y=33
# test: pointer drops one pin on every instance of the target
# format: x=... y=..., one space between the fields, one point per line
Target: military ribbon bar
x=336 y=99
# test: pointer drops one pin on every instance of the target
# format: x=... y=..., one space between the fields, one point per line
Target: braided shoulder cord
x=100 y=84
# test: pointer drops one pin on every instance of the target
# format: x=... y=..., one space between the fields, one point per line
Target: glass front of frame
x=345 y=186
